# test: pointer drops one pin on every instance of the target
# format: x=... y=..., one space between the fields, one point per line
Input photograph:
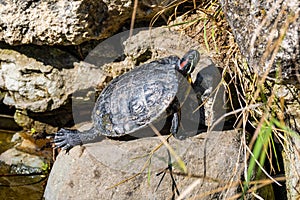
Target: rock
x=290 y=154
x=16 y=138
x=290 y=94
x=60 y=22
x=120 y=12
x=31 y=84
x=121 y=53
x=38 y=87
x=51 y=22
x=39 y=81
x=259 y=26
x=91 y=172
x=47 y=121
x=291 y=166
x=15 y=157
x=27 y=147
x=158 y=43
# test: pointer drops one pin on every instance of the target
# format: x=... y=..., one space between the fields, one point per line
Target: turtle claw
x=66 y=139
x=60 y=144
x=67 y=147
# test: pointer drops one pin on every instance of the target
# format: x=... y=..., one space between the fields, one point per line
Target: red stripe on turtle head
x=183 y=64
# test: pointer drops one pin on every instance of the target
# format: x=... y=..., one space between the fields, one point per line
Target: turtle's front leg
x=67 y=139
x=175 y=124
x=173 y=130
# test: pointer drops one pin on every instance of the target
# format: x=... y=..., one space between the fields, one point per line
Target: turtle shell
x=136 y=98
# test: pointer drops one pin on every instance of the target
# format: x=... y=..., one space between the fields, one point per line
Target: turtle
x=135 y=99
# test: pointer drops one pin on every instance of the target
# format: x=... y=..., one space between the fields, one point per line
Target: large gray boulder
x=91 y=171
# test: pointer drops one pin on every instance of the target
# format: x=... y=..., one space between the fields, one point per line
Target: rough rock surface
x=292 y=143
x=264 y=30
x=292 y=167
x=39 y=87
x=50 y=22
x=53 y=22
x=15 y=157
x=88 y=172
x=159 y=42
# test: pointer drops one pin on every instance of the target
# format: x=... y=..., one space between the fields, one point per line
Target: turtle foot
x=67 y=139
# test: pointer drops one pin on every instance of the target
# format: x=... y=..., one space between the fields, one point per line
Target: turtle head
x=188 y=62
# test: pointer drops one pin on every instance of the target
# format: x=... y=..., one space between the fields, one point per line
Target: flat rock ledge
x=91 y=171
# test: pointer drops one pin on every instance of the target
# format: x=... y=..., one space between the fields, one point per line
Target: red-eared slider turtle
x=133 y=100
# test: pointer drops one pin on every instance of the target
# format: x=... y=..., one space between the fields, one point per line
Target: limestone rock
x=35 y=86
x=292 y=167
x=15 y=157
x=50 y=22
x=159 y=42
x=60 y=22
x=259 y=26
x=88 y=172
